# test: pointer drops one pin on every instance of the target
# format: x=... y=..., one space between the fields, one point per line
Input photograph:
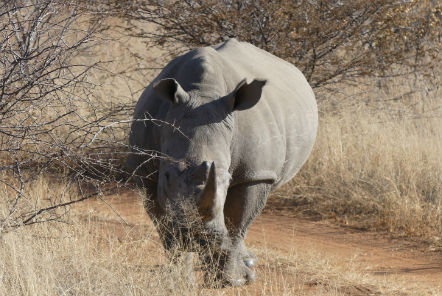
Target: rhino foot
x=237 y=271
x=238 y=274
x=249 y=262
x=249 y=258
x=229 y=270
x=237 y=278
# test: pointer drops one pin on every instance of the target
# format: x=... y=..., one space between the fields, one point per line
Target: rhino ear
x=206 y=201
x=245 y=95
x=169 y=89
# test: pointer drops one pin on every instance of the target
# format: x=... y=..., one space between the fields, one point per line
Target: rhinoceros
x=229 y=123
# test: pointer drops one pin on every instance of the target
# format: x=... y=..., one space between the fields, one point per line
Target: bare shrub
x=50 y=121
x=328 y=41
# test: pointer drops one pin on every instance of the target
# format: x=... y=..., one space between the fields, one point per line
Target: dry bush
x=328 y=41
x=53 y=120
x=41 y=92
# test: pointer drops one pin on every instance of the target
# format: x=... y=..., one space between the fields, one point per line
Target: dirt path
x=372 y=251
x=391 y=260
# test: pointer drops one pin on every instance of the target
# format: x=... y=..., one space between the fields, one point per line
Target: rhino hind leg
x=244 y=203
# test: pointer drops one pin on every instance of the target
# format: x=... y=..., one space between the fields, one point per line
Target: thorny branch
x=49 y=120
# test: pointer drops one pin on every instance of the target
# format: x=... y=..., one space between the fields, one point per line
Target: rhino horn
x=170 y=90
x=207 y=199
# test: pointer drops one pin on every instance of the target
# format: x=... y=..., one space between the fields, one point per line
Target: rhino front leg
x=243 y=204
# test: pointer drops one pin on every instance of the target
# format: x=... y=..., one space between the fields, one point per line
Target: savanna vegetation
x=71 y=73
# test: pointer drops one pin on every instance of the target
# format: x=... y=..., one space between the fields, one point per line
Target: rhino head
x=197 y=139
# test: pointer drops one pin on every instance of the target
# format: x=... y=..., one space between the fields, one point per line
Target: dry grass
x=94 y=254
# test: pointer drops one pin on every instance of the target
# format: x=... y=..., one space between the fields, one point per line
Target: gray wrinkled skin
x=232 y=123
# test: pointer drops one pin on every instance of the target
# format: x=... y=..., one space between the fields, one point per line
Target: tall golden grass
x=93 y=253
